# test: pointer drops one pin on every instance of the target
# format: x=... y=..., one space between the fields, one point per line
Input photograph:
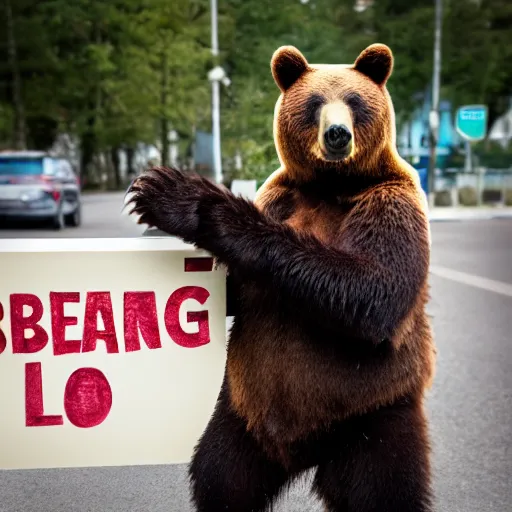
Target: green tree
x=119 y=72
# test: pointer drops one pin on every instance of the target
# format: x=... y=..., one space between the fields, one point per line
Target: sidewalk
x=439 y=214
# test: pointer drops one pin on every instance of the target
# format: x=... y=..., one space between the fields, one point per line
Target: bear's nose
x=337 y=137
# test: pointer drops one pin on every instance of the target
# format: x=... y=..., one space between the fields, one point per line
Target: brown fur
x=331 y=349
x=375 y=145
x=309 y=389
x=306 y=389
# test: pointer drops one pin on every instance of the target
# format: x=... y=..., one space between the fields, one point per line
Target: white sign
x=112 y=351
x=472 y=116
x=244 y=188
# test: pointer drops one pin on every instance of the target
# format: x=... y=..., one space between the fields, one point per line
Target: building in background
x=501 y=130
x=413 y=137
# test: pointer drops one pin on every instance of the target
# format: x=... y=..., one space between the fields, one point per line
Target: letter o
x=87 y=398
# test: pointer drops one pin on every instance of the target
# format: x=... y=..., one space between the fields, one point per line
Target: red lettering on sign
x=140 y=314
x=3 y=341
x=34 y=408
x=99 y=302
x=87 y=398
x=19 y=323
x=60 y=322
x=198 y=264
x=172 y=320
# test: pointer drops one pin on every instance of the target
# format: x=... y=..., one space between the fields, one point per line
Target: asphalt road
x=470 y=405
x=101 y=218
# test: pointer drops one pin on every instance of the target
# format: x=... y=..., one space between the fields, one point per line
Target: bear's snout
x=335 y=131
x=337 y=138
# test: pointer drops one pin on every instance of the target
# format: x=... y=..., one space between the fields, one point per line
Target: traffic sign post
x=471 y=125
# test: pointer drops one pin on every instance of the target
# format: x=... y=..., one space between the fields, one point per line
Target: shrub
x=468 y=196
x=443 y=198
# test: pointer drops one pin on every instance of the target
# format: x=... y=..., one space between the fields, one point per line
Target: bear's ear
x=288 y=65
x=376 y=62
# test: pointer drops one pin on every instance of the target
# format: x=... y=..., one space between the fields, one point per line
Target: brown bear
x=331 y=349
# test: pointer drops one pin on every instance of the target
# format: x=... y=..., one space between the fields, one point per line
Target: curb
x=496 y=216
x=447 y=214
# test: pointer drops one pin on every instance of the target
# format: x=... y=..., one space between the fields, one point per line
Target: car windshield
x=21 y=166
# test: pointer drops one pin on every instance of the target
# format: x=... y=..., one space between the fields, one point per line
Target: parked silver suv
x=34 y=185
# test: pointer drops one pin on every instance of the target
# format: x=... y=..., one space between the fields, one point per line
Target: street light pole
x=217 y=161
x=434 y=113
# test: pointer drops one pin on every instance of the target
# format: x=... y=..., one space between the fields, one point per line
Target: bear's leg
x=229 y=471
x=379 y=463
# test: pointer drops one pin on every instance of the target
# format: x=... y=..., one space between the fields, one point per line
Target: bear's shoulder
x=277 y=197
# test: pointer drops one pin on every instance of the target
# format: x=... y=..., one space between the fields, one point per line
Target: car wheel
x=58 y=221
x=74 y=219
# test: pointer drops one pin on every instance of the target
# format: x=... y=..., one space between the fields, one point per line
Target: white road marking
x=478 y=282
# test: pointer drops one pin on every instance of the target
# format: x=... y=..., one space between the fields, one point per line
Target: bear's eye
x=362 y=113
x=311 y=109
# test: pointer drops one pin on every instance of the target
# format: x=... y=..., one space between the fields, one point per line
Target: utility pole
x=434 y=112
x=217 y=160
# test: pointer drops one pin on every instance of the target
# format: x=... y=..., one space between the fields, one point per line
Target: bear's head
x=333 y=117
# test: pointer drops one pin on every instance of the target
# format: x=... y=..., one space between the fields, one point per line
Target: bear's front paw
x=168 y=199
